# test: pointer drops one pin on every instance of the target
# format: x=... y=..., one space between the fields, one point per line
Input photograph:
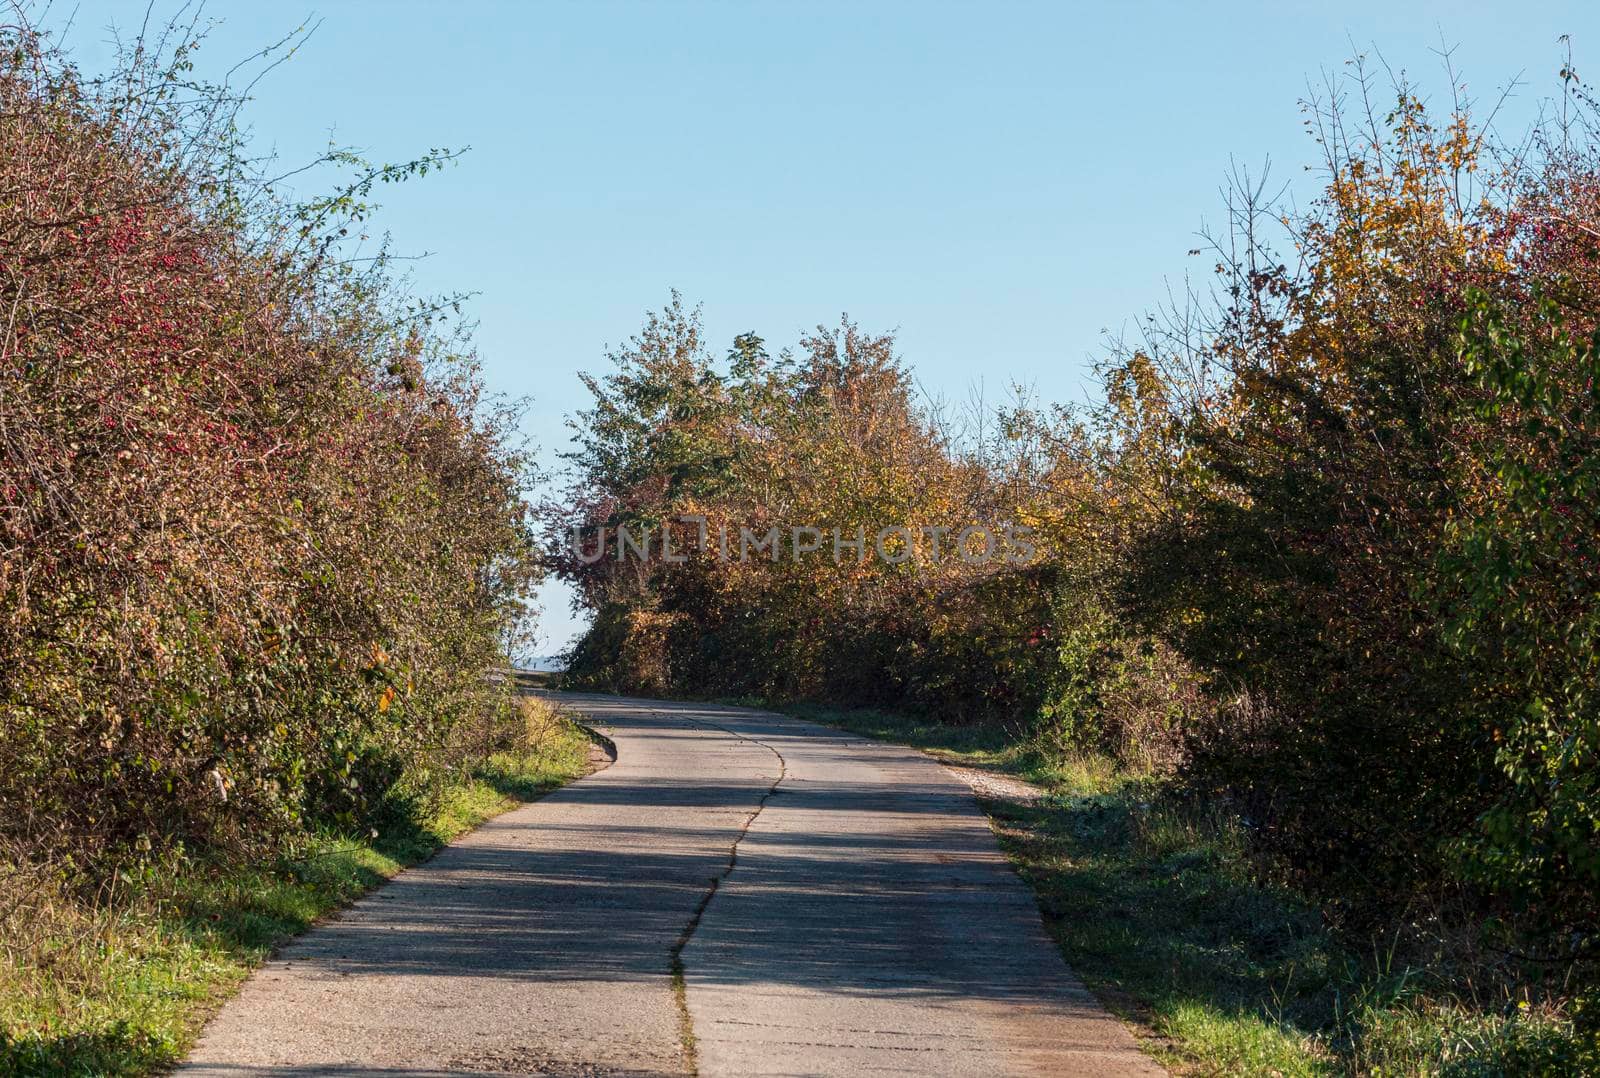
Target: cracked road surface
x=738 y=894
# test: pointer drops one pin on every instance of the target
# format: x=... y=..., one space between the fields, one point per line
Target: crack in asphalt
x=675 y=955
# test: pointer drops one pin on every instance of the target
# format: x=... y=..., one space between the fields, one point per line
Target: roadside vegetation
x=121 y=986
x=263 y=548
x=1317 y=576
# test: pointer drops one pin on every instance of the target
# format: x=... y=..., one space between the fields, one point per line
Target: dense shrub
x=1519 y=579
x=1383 y=555
x=1291 y=564
x=260 y=537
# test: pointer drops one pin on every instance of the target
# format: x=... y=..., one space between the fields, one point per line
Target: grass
x=1163 y=919
x=123 y=988
x=1158 y=907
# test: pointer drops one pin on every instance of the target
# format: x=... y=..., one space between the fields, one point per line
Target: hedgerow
x=262 y=536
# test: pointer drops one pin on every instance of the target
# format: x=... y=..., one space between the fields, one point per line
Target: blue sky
x=1003 y=184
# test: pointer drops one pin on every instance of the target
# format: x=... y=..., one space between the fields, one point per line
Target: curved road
x=739 y=893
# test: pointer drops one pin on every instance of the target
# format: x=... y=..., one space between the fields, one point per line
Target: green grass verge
x=124 y=990
x=1158 y=907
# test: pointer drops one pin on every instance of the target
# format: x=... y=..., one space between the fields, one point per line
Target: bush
x=260 y=537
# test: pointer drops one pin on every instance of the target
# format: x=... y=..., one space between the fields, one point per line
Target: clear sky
x=1003 y=183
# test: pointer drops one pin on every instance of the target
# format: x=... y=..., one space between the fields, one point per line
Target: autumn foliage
x=260 y=539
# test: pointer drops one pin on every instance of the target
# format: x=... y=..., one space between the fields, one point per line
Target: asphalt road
x=737 y=894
